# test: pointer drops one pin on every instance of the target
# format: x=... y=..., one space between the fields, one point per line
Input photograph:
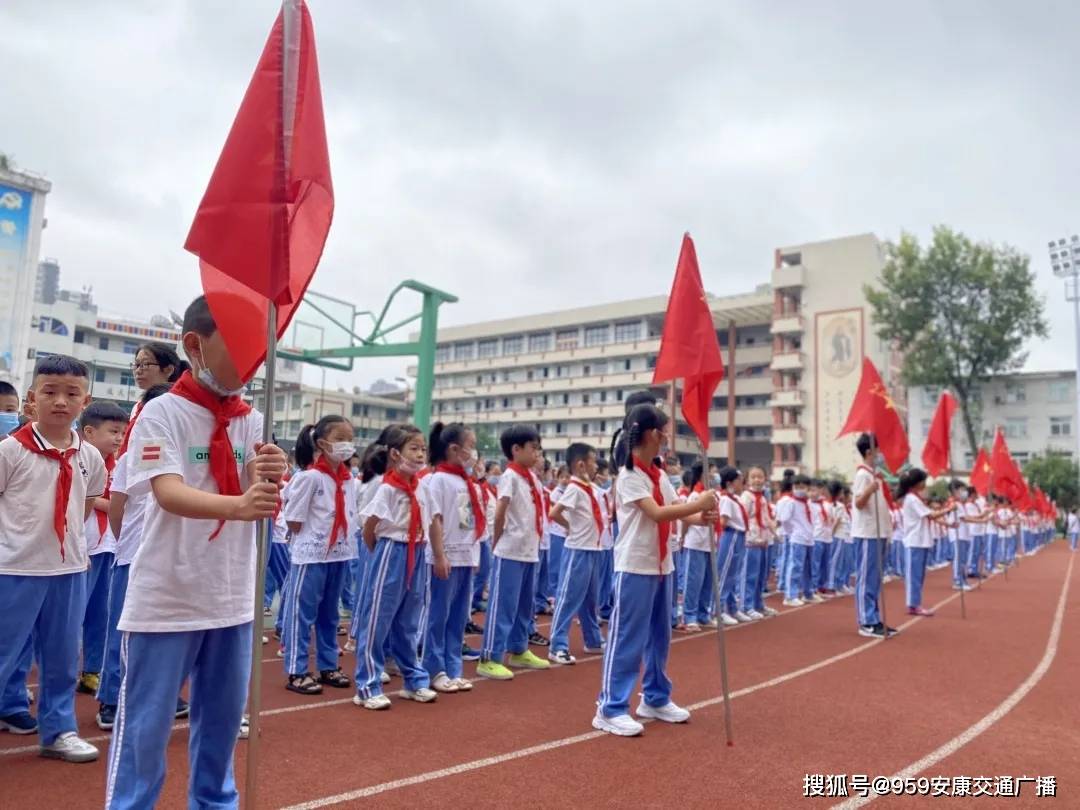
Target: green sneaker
x=494 y=670
x=527 y=660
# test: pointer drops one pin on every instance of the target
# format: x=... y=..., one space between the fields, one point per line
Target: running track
x=995 y=694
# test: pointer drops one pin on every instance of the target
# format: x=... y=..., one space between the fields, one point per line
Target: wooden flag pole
x=721 y=641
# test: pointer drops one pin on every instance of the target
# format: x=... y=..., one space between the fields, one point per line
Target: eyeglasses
x=140 y=366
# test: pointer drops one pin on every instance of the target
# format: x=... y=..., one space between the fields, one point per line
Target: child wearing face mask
x=321 y=514
x=9 y=409
x=798 y=526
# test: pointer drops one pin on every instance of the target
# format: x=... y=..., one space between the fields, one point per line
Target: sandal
x=335 y=678
x=303 y=684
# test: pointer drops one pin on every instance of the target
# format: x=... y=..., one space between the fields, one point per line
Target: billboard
x=15 y=278
x=838 y=354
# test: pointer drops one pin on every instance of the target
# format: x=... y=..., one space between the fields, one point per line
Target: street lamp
x=1065 y=261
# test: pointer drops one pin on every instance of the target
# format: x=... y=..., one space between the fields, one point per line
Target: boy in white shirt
x=871 y=528
x=191 y=590
x=49 y=478
x=1072 y=528
x=797 y=523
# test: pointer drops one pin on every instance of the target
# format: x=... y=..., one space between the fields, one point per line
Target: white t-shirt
x=365 y=492
x=637 y=549
x=311 y=503
x=97 y=541
x=181 y=579
x=391 y=507
x=964 y=530
x=447 y=496
x=863 y=526
x=699 y=538
x=134 y=513
x=578 y=512
x=490 y=498
x=757 y=534
x=842 y=516
x=822 y=514
x=1072 y=524
x=28 y=542
x=607 y=542
x=519 y=540
x=797 y=520
x=554 y=529
x=730 y=508
x=916 y=522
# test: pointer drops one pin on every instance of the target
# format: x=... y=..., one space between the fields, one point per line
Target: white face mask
x=962 y=494
x=471 y=456
x=800 y=493
x=410 y=467
x=207 y=378
x=341 y=451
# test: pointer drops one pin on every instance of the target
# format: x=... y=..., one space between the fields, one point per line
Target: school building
x=793 y=346
x=1036 y=411
x=297 y=404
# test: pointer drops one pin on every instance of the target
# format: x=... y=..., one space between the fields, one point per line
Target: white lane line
x=1002 y=709
x=486 y=762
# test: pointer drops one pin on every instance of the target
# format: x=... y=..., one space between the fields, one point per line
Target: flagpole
x=719 y=624
x=956 y=543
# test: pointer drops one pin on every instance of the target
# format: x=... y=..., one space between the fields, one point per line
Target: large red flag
x=980 y=473
x=688 y=346
x=261 y=226
x=874 y=411
x=935 y=454
x=1005 y=477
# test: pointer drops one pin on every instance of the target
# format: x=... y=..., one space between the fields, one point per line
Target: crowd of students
x=127 y=558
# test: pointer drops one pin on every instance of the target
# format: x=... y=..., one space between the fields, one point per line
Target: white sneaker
x=350 y=646
x=754 y=615
x=770 y=612
x=463 y=684
x=728 y=619
x=743 y=616
x=561 y=657
x=266 y=639
x=376 y=703
x=963 y=587
x=712 y=624
x=622 y=726
x=245 y=728
x=669 y=713
x=441 y=683
x=817 y=599
x=70 y=747
x=595 y=650
x=421 y=695
x=796 y=602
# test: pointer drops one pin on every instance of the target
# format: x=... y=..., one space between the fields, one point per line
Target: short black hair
x=817 y=482
x=198 y=319
x=602 y=465
x=639 y=398
x=695 y=473
x=440 y=439
x=836 y=489
x=728 y=475
x=864 y=443
x=7 y=389
x=517 y=435
x=98 y=413
x=909 y=480
x=60 y=365
x=801 y=480
x=578 y=451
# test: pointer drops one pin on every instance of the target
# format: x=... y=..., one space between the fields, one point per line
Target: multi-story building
x=296 y=405
x=47 y=283
x=793 y=351
x=1035 y=410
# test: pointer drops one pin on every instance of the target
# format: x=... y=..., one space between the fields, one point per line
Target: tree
x=1055 y=475
x=958 y=311
x=487 y=442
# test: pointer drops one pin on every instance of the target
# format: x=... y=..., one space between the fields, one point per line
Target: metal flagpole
x=290 y=66
x=956 y=543
x=719 y=624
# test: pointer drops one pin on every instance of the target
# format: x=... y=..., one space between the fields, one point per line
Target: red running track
x=809 y=697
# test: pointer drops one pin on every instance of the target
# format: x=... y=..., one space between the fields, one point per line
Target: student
x=372 y=469
x=392 y=594
x=821 y=510
x=49 y=479
x=761 y=527
x=871 y=527
x=542 y=595
x=798 y=526
x=580 y=513
x=607 y=543
x=784 y=504
x=556 y=536
x=9 y=409
x=188 y=608
x=488 y=484
x=126 y=524
x=519 y=525
x=898 y=557
x=918 y=539
x=698 y=543
x=732 y=546
x=978 y=516
x=101 y=425
x=962 y=519
x=641 y=621
x=1072 y=527
x=455 y=522
x=322 y=517
x=841 y=522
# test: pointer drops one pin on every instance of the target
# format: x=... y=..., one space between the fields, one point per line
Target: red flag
x=1005 y=478
x=980 y=473
x=935 y=454
x=874 y=411
x=688 y=347
x=261 y=226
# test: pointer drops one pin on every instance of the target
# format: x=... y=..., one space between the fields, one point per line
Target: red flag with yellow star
x=874 y=411
x=980 y=473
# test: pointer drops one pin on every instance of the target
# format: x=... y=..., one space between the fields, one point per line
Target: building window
x=356 y=408
x=603 y=427
x=131 y=347
x=127 y=379
x=603 y=396
x=528 y=402
x=627 y=331
x=545 y=373
x=442 y=354
x=279 y=403
x=619 y=395
x=930 y=396
x=506 y=402
x=559 y=427
x=1059 y=391
x=99 y=375
x=585 y=399
x=487 y=348
x=103 y=343
x=544 y=399
x=391 y=414
x=584 y=428
x=478 y=406
x=297 y=400
x=80 y=336
x=566 y=339
x=540 y=343
x=626 y=364
x=597 y=335
x=565 y=399
x=512 y=345
x=1016 y=428
x=586 y=370
x=1014 y=393
x=600 y=368
x=529 y=375
x=1060 y=425
x=463 y=351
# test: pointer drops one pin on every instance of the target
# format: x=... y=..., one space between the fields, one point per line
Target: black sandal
x=335 y=678
x=303 y=684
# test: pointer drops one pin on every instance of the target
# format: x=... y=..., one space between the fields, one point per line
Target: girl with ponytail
x=641 y=619
x=321 y=514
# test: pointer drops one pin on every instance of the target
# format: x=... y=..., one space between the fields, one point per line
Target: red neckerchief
x=598 y=516
x=101 y=514
x=479 y=516
x=884 y=486
x=682 y=492
x=395 y=480
x=222 y=460
x=742 y=510
x=663 y=528
x=547 y=503
x=538 y=503
x=806 y=506
x=759 y=499
x=127 y=431
x=28 y=438
x=824 y=514
x=339 y=477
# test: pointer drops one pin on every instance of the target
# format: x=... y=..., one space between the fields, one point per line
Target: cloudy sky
x=553 y=153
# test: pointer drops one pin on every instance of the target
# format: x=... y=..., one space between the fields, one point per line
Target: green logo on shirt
x=201 y=455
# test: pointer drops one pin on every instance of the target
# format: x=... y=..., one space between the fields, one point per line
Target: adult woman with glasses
x=156 y=363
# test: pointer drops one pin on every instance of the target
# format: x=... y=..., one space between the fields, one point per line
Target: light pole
x=1065 y=261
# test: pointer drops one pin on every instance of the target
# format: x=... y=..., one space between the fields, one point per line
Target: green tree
x=959 y=311
x=1057 y=477
x=487 y=442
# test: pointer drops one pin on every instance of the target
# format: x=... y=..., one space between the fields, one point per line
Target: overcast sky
x=553 y=153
